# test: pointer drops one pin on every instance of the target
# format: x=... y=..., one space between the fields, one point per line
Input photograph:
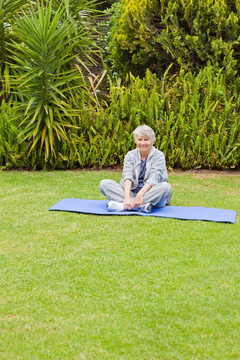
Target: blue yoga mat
x=99 y=207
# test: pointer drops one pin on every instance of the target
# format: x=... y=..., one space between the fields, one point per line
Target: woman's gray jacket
x=156 y=170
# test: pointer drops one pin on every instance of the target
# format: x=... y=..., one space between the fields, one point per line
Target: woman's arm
x=158 y=171
x=128 y=204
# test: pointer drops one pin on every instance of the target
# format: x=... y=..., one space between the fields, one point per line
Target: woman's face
x=144 y=144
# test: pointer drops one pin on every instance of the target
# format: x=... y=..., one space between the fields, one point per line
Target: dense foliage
x=196 y=120
x=8 y=11
x=155 y=33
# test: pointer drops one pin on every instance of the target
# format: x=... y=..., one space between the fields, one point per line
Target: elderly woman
x=144 y=178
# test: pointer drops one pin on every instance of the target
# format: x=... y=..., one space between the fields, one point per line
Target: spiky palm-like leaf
x=47 y=79
x=84 y=14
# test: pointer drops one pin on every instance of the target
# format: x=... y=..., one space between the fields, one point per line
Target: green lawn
x=77 y=286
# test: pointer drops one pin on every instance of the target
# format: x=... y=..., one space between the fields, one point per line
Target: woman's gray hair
x=144 y=130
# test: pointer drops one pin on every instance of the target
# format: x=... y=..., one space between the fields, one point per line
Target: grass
x=77 y=286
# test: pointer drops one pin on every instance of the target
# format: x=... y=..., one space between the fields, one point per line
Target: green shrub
x=11 y=151
x=155 y=33
x=196 y=120
x=14 y=151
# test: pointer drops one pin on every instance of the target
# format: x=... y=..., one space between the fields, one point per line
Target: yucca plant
x=83 y=15
x=47 y=80
x=8 y=11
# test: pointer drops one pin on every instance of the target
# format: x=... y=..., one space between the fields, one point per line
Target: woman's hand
x=128 y=204
x=138 y=201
